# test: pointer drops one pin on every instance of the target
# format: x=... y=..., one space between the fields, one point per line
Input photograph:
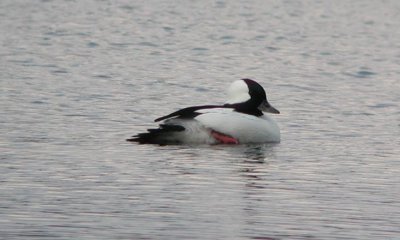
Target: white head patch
x=238 y=92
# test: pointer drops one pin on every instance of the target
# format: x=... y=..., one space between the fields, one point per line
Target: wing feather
x=189 y=112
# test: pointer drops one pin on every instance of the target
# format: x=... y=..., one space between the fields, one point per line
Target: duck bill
x=266 y=107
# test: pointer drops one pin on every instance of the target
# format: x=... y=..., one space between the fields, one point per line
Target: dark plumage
x=161 y=135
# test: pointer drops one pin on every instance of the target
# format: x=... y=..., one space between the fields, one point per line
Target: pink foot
x=222 y=138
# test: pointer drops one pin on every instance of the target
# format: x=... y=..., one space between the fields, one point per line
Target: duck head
x=248 y=96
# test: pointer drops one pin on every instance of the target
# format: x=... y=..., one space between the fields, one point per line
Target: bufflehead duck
x=239 y=120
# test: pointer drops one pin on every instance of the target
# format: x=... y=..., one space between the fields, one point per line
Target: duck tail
x=165 y=134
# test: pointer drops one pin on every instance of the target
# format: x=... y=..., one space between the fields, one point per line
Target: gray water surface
x=79 y=77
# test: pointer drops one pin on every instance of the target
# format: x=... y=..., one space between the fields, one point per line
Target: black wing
x=189 y=112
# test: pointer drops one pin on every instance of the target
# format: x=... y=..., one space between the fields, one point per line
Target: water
x=79 y=77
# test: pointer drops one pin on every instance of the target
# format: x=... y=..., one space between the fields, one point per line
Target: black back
x=257 y=96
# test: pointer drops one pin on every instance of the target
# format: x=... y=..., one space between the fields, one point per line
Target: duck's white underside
x=243 y=127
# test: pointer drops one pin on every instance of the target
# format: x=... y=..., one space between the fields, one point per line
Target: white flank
x=246 y=128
